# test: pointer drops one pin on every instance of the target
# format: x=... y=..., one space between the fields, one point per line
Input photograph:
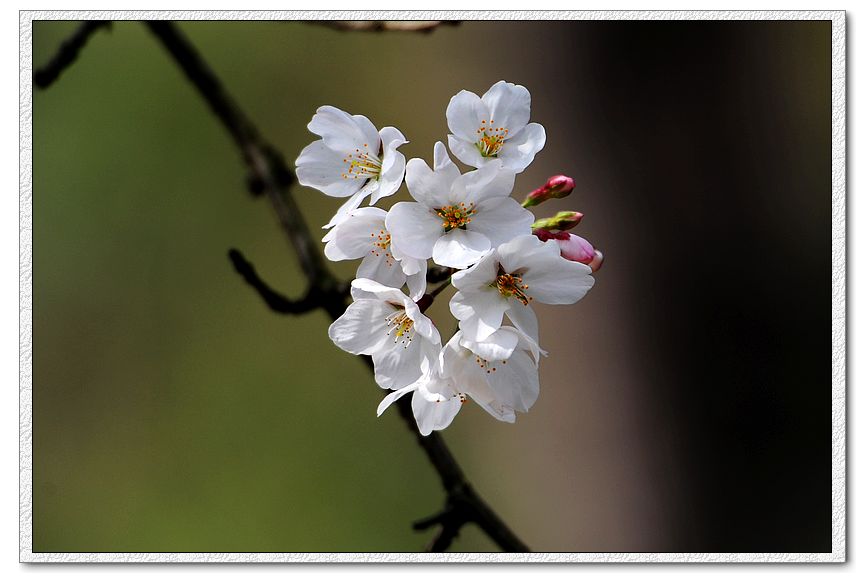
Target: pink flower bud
x=575 y=248
x=558 y=186
x=563 y=221
x=572 y=247
x=597 y=261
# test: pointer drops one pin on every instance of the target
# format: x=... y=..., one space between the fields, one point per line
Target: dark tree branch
x=67 y=53
x=437 y=273
x=268 y=172
x=274 y=300
x=270 y=175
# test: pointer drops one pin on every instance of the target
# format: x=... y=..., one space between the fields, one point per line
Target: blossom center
x=381 y=245
x=401 y=327
x=490 y=138
x=362 y=164
x=511 y=285
x=456 y=216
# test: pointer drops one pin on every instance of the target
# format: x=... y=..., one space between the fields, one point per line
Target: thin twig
x=67 y=53
x=438 y=273
x=270 y=175
x=274 y=300
x=442 y=287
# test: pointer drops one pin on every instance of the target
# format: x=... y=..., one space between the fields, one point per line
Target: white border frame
x=839 y=274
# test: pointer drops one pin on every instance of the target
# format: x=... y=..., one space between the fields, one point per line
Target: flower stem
x=440 y=288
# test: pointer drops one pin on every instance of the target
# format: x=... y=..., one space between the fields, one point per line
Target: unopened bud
x=572 y=247
x=563 y=221
x=597 y=261
x=556 y=187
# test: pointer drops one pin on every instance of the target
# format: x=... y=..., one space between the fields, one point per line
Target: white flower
x=499 y=373
x=435 y=401
x=509 y=279
x=352 y=159
x=457 y=218
x=363 y=234
x=386 y=324
x=494 y=127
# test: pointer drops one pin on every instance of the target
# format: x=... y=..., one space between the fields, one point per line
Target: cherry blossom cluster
x=501 y=260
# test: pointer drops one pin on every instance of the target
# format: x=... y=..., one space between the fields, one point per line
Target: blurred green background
x=174 y=412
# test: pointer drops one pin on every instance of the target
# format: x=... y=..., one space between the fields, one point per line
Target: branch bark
x=277 y=302
x=269 y=175
x=67 y=53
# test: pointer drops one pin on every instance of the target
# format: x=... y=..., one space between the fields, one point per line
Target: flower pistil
x=511 y=285
x=401 y=327
x=456 y=216
x=362 y=164
x=490 y=139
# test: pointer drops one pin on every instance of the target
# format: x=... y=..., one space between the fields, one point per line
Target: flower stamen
x=401 y=326
x=456 y=216
x=381 y=244
x=361 y=164
x=484 y=364
x=511 y=285
x=490 y=139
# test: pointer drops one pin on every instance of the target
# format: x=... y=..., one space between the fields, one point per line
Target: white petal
x=501 y=220
x=509 y=106
x=466 y=152
x=351 y=205
x=414 y=229
x=321 y=168
x=416 y=283
x=524 y=318
x=344 y=132
x=423 y=326
x=410 y=265
x=462 y=366
x=557 y=280
x=398 y=364
x=465 y=113
x=480 y=313
x=487 y=182
x=362 y=328
x=363 y=288
x=479 y=276
x=460 y=248
x=393 y=396
x=515 y=382
x=499 y=345
x=500 y=384
x=499 y=411
x=432 y=415
x=519 y=151
x=392 y=173
x=391 y=137
x=521 y=252
x=354 y=236
x=381 y=268
x=392 y=164
x=442 y=163
x=426 y=186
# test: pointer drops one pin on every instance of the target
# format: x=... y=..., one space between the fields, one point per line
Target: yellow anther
x=456 y=216
x=511 y=285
